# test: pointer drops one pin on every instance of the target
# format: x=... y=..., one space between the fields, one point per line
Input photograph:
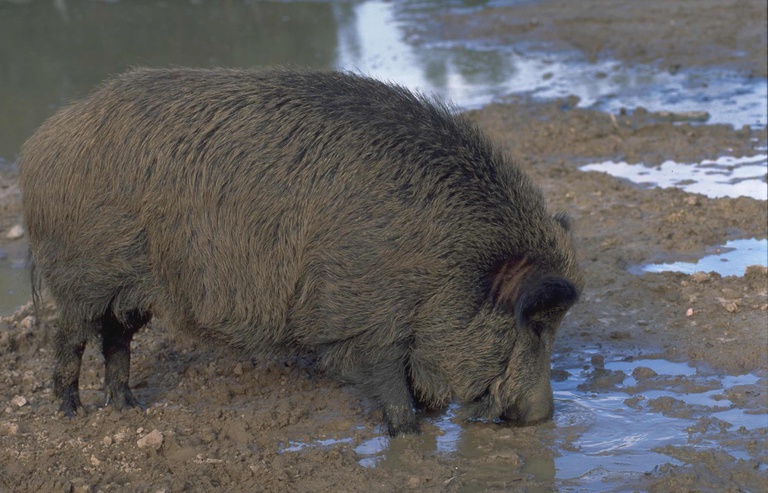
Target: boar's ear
x=544 y=295
x=508 y=280
x=564 y=220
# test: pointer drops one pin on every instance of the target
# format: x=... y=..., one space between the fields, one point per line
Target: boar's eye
x=538 y=327
x=543 y=299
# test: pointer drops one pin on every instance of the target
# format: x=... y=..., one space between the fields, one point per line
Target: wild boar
x=290 y=212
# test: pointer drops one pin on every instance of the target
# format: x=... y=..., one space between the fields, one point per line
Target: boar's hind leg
x=116 y=348
x=69 y=344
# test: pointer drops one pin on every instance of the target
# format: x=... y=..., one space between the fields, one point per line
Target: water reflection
x=601 y=433
x=53 y=52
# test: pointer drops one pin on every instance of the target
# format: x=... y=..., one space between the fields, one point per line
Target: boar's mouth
x=486 y=408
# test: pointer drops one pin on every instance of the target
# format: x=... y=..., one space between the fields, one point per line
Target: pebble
x=15 y=232
x=19 y=401
x=598 y=360
x=9 y=429
x=642 y=372
x=153 y=439
x=700 y=277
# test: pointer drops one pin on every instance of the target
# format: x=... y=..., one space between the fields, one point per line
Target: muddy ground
x=217 y=422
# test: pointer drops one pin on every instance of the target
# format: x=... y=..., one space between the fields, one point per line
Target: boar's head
x=497 y=363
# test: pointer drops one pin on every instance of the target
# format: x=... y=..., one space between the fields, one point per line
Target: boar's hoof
x=70 y=402
x=122 y=399
x=402 y=429
x=402 y=423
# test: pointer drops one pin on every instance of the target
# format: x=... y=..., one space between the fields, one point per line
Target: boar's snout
x=534 y=408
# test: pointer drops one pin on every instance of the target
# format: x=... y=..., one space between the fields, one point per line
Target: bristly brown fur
x=298 y=211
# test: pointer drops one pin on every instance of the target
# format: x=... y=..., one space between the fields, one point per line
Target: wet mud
x=669 y=351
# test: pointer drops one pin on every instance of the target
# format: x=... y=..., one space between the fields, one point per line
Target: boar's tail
x=37 y=286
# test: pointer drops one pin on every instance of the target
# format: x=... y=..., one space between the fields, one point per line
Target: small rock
x=643 y=372
x=95 y=460
x=559 y=375
x=731 y=306
x=620 y=335
x=634 y=402
x=689 y=312
x=15 y=232
x=19 y=401
x=507 y=456
x=107 y=441
x=700 y=277
x=683 y=116
x=9 y=429
x=153 y=439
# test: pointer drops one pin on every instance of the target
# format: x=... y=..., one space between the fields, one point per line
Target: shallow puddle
x=613 y=422
x=726 y=176
x=730 y=259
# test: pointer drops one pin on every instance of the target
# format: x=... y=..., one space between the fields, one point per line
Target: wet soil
x=217 y=422
x=675 y=35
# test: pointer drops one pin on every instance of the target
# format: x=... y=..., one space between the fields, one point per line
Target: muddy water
x=614 y=420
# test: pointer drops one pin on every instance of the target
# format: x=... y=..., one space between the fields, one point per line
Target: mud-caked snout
x=533 y=407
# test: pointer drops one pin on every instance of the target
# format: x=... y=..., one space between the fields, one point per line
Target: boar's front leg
x=116 y=348
x=387 y=383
